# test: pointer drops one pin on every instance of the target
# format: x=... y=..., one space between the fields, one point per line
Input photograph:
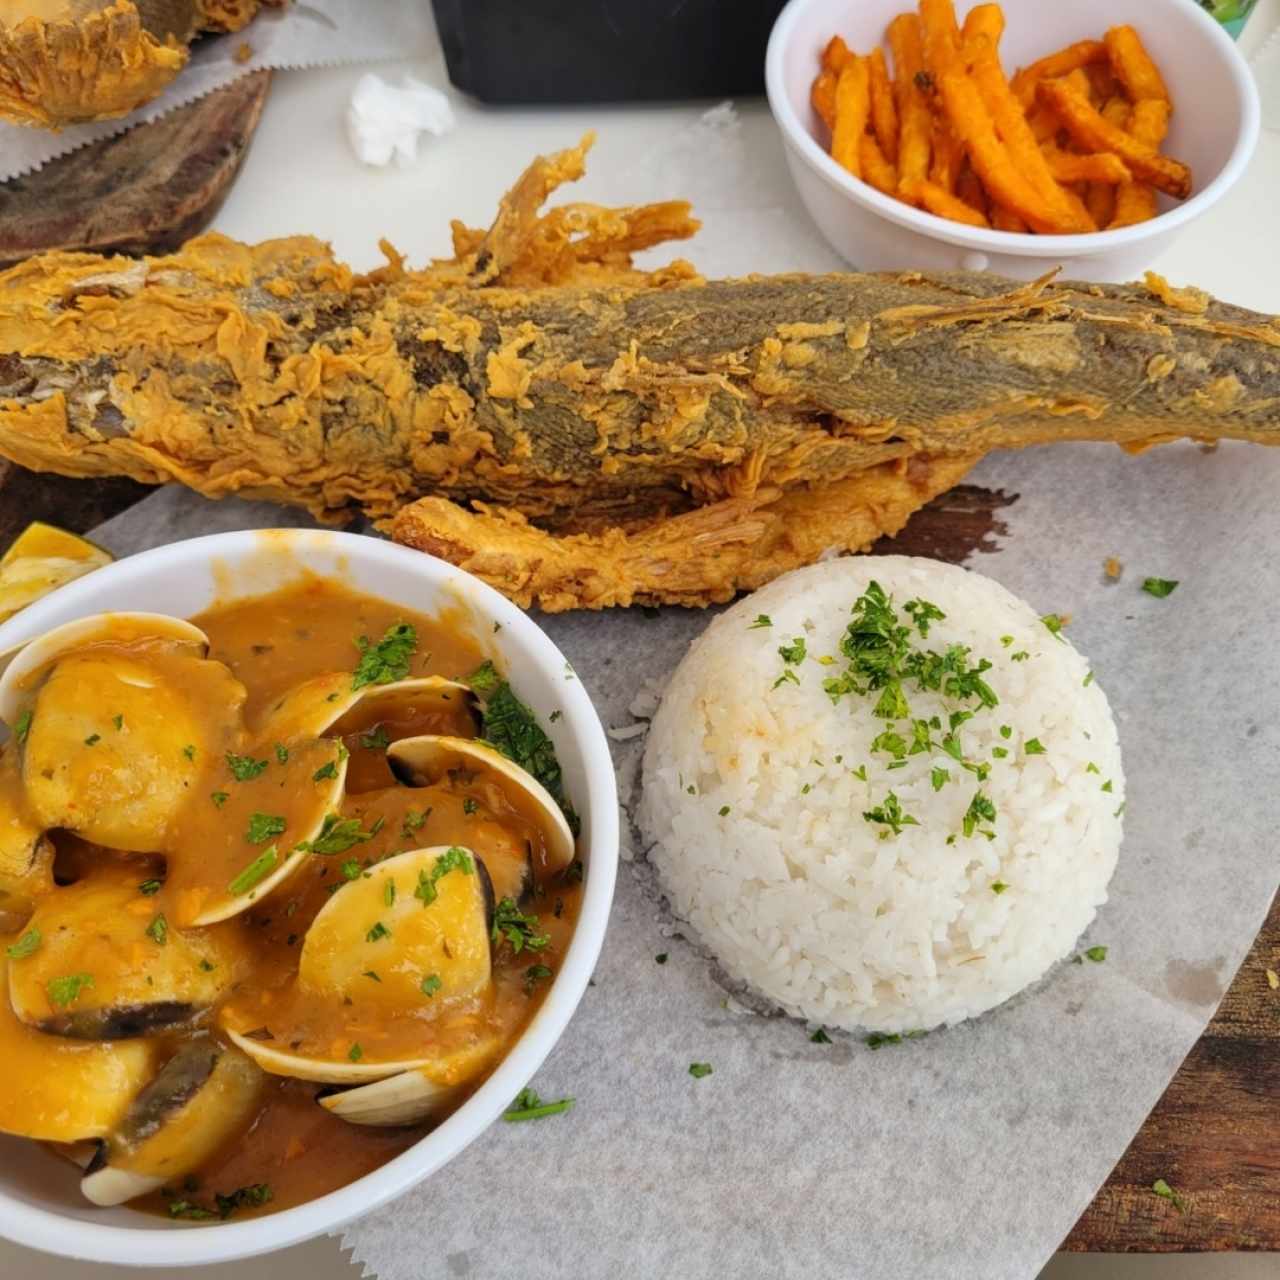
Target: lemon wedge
x=42 y=559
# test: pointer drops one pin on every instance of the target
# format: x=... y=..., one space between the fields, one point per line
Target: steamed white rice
x=755 y=813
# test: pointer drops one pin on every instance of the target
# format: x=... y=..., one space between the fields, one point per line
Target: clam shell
x=312 y=708
x=423 y=760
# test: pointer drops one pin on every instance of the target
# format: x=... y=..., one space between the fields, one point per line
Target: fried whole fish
x=581 y=433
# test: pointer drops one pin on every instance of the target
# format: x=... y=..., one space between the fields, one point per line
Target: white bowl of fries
x=1080 y=137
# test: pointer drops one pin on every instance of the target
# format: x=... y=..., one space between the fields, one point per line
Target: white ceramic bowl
x=1214 y=129
x=40 y=1204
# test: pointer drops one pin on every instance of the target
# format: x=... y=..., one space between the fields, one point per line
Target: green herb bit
x=219 y=798
x=413 y=822
x=149 y=888
x=923 y=612
x=158 y=930
x=860 y=772
x=22 y=727
x=452 y=859
x=890 y=814
x=1006 y=641
x=431 y=984
x=939 y=778
x=252 y=1197
x=891 y=742
x=1033 y=747
x=1166 y=1192
x=389 y=893
x=244 y=768
x=724 y=811
x=469 y=806
x=662 y=957
x=355 y=1053
x=1087 y=681
x=1096 y=954
x=485 y=678
x=999 y=753
x=93 y=739
x=980 y=810
x=998 y=886
x=792 y=654
x=372 y=975
x=189 y=1209
x=1106 y=786
x=25 y=945
x=512 y=728
x=892 y=703
x=118 y=721
x=378 y=932
x=951 y=745
x=877 y=1039
x=920 y=739
x=699 y=1070
x=1092 y=768
x=820 y=1037
x=1006 y=731
x=325 y=772
x=351 y=869
x=337 y=835
x=207 y=966
x=534 y=974
x=282 y=753
x=528 y=1106
x=762 y=620
x=255 y=872
x=518 y=929
x=189 y=750
x=1159 y=587
x=377 y=740
x=264 y=827
x=65 y=991
x=387 y=660
x=787 y=677
x=1053 y=625
x=1021 y=656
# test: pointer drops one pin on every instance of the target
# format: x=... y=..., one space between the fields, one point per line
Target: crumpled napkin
x=385 y=121
x=308 y=33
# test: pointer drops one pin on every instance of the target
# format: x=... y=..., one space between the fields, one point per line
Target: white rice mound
x=755 y=815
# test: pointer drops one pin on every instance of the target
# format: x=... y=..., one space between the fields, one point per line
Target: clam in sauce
x=270 y=905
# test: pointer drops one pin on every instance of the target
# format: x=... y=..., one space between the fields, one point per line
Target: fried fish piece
x=540 y=380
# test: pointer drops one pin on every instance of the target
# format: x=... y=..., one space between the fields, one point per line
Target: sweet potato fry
x=877 y=169
x=1133 y=66
x=969 y=189
x=1043 y=123
x=1019 y=141
x=1117 y=110
x=945 y=205
x=1081 y=54
x=836 y=55
x=1003 y=219
x=884 y=111
x=1136 y=201
x=914 y=118
x=948 y=155
x=940 y=33
x=1097 y=166
x=1103 y=86
x=1090 y=130
x=822 y=97
x=853 y=109
x=1100 y=200
x=984 y=20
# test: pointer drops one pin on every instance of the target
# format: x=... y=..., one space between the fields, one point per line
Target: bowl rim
x=183 y=1245
x=1065 y=247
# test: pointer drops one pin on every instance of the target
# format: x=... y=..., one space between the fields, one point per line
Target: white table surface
x=300 y=176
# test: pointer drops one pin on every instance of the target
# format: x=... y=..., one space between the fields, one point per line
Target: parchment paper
x=970 y=1153
x=308 y=33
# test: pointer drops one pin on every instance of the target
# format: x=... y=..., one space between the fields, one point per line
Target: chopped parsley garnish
x=189 y=751
x=372 y=975
x=413 y=822
x=923 y=612
x=518 y=929
x=149 y=888
x=860 y=772
x=528 y=1106
x=325 y=771
x=264 y=827
x=1092 y=768
x=282 y=753
x=1106 y=786
x=376 y=740
x=1087 y=681
x=890 y=814
x=1166 y=1192
x=255 y=872
x=93 y=739
x=389 y=893
x=22 y=726
x=980 y=810
x=469 y=805
x=220 y=798
x=452 y=859
x=189 y=1209
x=662 y=957
x=351 y=869
x=431 y=984
x=512 y=728
x=1053 y=625
x=998 y=886
x=207 y=966
x=377 y=932
x=1159 y=587
x=485 y=678
x=792 y=653
x=999 y=753
x=1096 y=954
x=355 y=1053
x=65 y=991
x=244 y=768
x=939 y=778
x=762 y=620
x=534 y=974
x=118 y=721
x=337 y=835
x=387 y=660
x=1033 y=747
x=25 y=945
x=724 y=811
x=787 y=677
x=699 y=1070
x=1006 y=731
x=1021 y=656
x=820 y=1037
x=158 y=930
x=252 y=1197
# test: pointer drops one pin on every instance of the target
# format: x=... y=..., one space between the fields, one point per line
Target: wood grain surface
x=1214 y=1136
x=143 y=191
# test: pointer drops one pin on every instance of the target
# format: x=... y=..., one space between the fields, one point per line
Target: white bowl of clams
x=307 y=849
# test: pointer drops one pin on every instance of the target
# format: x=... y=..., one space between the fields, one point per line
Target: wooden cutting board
x=143 y=191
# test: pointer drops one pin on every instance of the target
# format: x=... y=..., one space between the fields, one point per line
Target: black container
x=605 y=50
